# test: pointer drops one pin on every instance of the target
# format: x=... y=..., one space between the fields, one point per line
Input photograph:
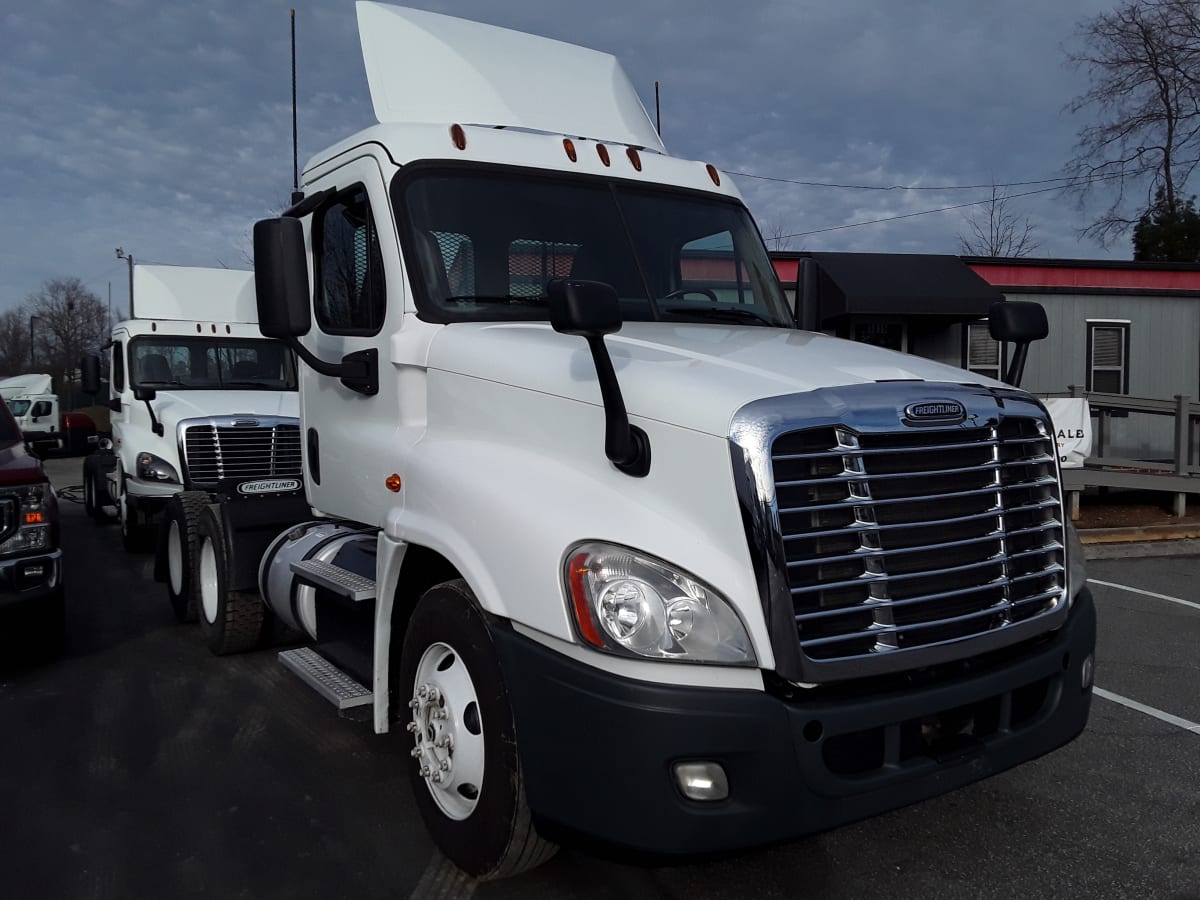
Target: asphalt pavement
x=139 y=766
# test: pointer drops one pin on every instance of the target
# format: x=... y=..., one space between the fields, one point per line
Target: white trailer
x=204 y=410
x=621 y=550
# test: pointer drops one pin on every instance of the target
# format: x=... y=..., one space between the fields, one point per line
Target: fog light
x=1086 y=671
x=702 y=780
x=33 y=571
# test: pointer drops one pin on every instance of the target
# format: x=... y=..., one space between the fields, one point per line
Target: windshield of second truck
x=19 y=407
x=488 y=242
x=185 y=363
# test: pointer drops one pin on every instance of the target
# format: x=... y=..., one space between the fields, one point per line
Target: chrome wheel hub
x=447 y=729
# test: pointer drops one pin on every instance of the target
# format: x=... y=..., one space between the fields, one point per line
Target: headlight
x=628 y=603
x=1076 y=570
x=154 y=468
x=33 y=518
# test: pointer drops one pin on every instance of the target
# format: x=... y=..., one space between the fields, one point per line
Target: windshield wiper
x=497 y=298
x=728 y=313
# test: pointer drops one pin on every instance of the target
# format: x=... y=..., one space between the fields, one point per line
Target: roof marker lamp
x=631 y=604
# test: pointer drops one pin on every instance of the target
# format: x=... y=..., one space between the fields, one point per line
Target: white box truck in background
x=621 y=551
x=34 y=405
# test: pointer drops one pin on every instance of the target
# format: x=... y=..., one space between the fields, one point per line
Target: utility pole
x=128 y=257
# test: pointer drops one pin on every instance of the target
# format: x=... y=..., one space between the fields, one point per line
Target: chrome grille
x=902 y=539
x=213 y=452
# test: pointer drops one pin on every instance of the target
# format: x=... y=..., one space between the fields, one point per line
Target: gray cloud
x=165 y=127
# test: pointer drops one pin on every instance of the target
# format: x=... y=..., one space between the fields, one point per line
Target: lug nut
x=411 y=727
x=415 y=752
x=413 y=704
x=445 y=766
x=425 y=771
x=423 y=691
x=437 y=777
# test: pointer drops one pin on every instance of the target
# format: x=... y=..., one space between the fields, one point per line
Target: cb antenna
x=657 y=112
x=296 y=195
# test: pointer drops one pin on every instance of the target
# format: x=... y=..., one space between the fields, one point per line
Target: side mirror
x=1020 y=322
x=281 y=278
x=144 y=394
x=89 y=373
x=584 y=308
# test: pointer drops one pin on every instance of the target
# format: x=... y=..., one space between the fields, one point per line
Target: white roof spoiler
x=193 y=294
x=429 y=68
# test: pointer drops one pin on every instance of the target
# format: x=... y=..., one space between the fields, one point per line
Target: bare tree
x=995 y=230
x=14 y=341
x=71 y=320
x=776 y=234
x=1143 y=60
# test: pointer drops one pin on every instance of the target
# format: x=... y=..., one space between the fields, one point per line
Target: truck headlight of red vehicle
x=33 y=517
x=628 y=603
x=155 y=468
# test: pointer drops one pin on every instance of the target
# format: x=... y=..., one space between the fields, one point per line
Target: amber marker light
x=393 y=483
x=577 y=568
x=34 y=518
x=458 y=136
x=713 y=174
x=603 y=151
x=635 y=158
x=569 y=146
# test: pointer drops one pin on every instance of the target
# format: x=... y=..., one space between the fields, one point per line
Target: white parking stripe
x=1148 y=710
x=1133 y=590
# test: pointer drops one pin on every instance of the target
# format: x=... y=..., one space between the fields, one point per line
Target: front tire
x=181 y=520
x=465 y=768
x=95 y=494
x=135 y=536
x=232 y=621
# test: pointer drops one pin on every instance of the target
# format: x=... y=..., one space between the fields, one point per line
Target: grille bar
x=949 y=495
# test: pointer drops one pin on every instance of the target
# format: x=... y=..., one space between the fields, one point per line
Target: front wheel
x=136 y=537
x=232 y=621
x=465 y=767
x=181 y=521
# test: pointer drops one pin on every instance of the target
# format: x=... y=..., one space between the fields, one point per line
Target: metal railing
x=1175 y=470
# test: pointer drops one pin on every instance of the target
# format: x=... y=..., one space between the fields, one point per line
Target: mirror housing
x=281 y=278
x=89 y=373
x=144 y=394
x=583 y=308
x=1020 y=322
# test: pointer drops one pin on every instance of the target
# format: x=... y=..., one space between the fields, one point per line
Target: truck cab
x=622 y=550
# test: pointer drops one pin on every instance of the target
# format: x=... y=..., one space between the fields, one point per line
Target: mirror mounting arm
x=626 y=446
x=155 y=425
x=358 y=371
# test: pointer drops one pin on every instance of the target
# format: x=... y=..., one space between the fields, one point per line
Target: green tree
x=1166 y=232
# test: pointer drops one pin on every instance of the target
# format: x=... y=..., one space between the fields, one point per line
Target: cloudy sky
x=164 y=126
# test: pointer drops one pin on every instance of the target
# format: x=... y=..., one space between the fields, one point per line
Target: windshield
x=487 y=242
x=18 y=407
x=182 y=363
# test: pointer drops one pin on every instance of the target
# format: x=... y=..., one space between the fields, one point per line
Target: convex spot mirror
x=585 y=308
x=1017 y=321
x=281 y=278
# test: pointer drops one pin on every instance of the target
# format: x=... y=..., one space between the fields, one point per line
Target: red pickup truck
x=31 y=585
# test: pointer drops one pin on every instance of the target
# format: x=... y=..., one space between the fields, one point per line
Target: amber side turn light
x=393 y=483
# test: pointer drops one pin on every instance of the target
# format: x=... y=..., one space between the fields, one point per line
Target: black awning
x=907 y=285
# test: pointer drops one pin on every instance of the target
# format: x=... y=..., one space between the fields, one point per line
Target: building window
x=350 y=294
x=981 y=354
x=890 y=334
x=1108 y=357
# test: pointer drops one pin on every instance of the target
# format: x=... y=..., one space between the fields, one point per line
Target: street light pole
x=128 y=257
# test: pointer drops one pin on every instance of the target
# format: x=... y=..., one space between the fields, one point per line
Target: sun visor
x=424 y=67
x=193 y=294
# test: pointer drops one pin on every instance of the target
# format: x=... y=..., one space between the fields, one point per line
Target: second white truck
x=203 y=409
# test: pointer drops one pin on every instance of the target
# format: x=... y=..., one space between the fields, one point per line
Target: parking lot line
x=1148 y=710
x=1133 y=590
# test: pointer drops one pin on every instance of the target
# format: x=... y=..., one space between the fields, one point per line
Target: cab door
x=358 y=300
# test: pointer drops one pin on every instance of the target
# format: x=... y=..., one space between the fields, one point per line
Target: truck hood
x=17 y=466
x=690 y=375
x=172 y=406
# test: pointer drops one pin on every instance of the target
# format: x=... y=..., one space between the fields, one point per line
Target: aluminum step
x=341 y=581
x=325 y=678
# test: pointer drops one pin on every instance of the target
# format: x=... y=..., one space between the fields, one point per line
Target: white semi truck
x=34 y=406
x=204 y=409
x=618 y=549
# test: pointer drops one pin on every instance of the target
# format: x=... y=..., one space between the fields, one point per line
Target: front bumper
x=597 y=750
x=27 y=579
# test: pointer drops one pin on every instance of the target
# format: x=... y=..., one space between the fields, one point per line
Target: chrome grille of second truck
x=216 y=452
x=903 y=539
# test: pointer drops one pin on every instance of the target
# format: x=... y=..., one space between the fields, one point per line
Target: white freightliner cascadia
x=201 y=405
x=625 y=552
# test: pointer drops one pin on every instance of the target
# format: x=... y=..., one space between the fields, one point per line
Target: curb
x=1141 y=541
